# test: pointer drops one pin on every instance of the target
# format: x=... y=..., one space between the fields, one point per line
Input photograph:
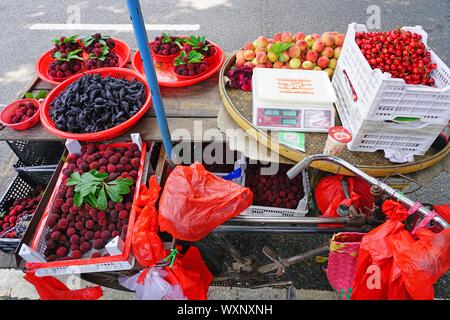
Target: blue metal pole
x=137 y=20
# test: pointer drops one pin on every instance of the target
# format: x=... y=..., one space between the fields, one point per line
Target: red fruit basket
x=121 y=49
x=168 y=78
x=108 y=134
x=123 y=261
x=161 y=58
x=7 y=112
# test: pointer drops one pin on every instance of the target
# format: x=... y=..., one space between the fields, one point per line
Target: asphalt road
x=230 y=24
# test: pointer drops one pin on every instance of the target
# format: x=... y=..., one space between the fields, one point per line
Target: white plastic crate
x=381 y=97
x=300 y=211
x=366 y=95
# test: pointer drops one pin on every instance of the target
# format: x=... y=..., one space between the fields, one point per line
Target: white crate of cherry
x=394 y=81
x=86 y=226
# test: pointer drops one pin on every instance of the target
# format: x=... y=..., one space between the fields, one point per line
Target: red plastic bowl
x=161 y=58
x=167 y=77
x=6 y=115
x=121 y=49
x=211 y=59
x=118 y=130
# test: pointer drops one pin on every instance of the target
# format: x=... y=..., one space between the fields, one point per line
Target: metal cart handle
x=299 y=167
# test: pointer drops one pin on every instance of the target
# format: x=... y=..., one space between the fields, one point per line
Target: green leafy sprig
x=87 y=41
x=70 y=56
x=102 y=57
x=280 y=47
x=198 y=43
x=192 y=57
x=91 y=188
x=178 y=40
x=40 y=95
x=72 y=39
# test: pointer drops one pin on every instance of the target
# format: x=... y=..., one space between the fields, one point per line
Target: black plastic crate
x=37 y=153
x=19 y=188
x=37 y=175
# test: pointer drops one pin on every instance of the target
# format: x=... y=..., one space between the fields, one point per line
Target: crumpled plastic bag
x=395 y=265
x=195 y=201
x=330 y=195
x=50 y=288
x=149 y=284
x=191 y=273
x=147 y=245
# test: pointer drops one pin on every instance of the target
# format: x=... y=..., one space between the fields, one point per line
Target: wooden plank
x=181 y=129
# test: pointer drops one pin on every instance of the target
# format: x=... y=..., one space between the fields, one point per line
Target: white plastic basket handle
x=350 y=86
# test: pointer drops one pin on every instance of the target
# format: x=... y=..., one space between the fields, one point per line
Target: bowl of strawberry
x=103 y=51
x=189 y=65
x=166 y=47
x=21 y=114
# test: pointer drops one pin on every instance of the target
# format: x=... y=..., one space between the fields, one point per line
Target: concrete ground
x=229 y=23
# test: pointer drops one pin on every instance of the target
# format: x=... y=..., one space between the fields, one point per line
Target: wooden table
x=188 y=108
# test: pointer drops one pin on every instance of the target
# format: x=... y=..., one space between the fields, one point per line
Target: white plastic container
x=292 y=100
x=373 y=105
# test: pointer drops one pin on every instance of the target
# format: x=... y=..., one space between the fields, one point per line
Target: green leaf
x=29 y=95
x=2 y=214
x=88 y=41
x=166 y=37
x=91 y=200
x=102 y=202
x=102 y=42
x=75 y=178
x=113 y=193
x=41 y=94
x=122 y=181
x=280 y=47
x=78 y=199
x=100 y=175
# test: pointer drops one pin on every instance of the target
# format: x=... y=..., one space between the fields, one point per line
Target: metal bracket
x=280 y=263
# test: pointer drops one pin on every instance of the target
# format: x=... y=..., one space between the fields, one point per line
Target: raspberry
x=93 y=165
x=79 y=225
x=63 y=223
x=133 y=147
x=102 y=162
x=84 y=166
x=134 y=174
x=114 y=159
x=74 y=247
x=85 y=247
x=89 y=235
x=76 y=254
x=136 y=162
x=112 y=227
x=65 y=208
x=70 y=232
x=96 y=255
x=90 y=224
x=61 y=252
x=124 y=160
x=97 y=235
x=128 y=167
x=55 y=235
x=91 y=148
x=137 y=154
x=63 y=239
x=106 y=235
x=282 y=194
x=102 y=147
x=93 y=213
x=101 y=215
x=52 y=219
x=74 y=239
x=128 y=206
x=128 y=154
x=112 y=176
x=291 y=195
x=102 y=222
x=120 y=168
x=51 y=258
x=98 y=244
x=50 y=244
x=118 y=206
x=123 y=214
x=114 y=234
x=72 y=158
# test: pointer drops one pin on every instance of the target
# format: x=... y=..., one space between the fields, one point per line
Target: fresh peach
x=318 y=46
x=286 y=37
x=302 y=44
x=329 y=72
x=307 y=65
x=269 y=46
x=294 y=52
x=328 y=40
x=312 y=56
x=262 y=41
x=249 y=55
x=240 y=54
x=332 y=64
x=261 y=57
x=328 y=52
x=308 y=38
x=277 y=37
x=240 y=62
x=337 y=52
x=272 y=57
x=278 y=65
x=260 y=49
x=284 y=57
x=339 y=40
x=299 y=36
x=315 y=36
x=285 y=67
x=254 y=61
x=295 y=63
x=249 y=46
x=260 y=65
x=317 y=68
x=323 y=62
x=268 y=64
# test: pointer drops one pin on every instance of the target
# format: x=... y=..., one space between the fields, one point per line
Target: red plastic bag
x=395 y=265
x=147 y=245
x=50 y=288
x=195 y=201
x=191 y=273
x=329 y=195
